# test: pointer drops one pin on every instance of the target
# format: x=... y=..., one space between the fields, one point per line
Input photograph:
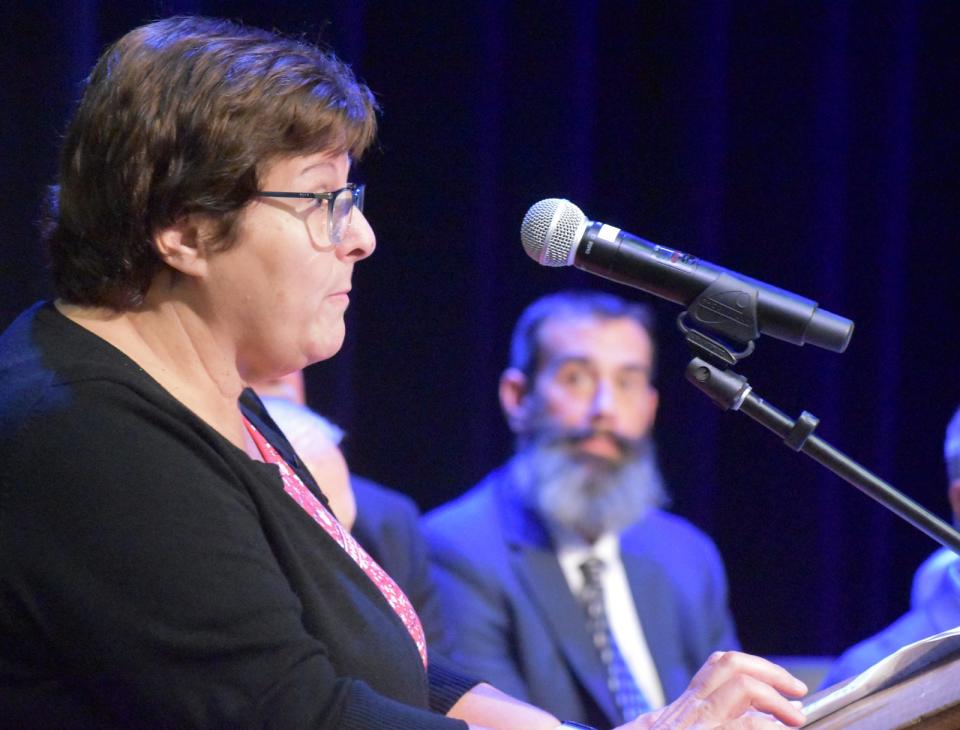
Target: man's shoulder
x=932 y=575
x=385 y=517
x=910 y=627
x=372 y=496
x=662 y=531
x=472 y=541
x=483 y=500
x=934 y=608
x=475 y=523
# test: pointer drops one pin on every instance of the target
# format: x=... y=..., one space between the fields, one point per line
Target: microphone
x=555 y=232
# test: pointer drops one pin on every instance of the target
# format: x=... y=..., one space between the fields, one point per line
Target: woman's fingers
x=723 y=665
x=730 y=691
x=744 y=693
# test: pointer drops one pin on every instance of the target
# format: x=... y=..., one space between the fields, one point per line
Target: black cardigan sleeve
x=139 y=575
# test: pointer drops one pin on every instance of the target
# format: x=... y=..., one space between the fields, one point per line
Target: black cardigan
x=153 y=575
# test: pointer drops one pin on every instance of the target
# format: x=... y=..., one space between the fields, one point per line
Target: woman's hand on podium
x=734 y=691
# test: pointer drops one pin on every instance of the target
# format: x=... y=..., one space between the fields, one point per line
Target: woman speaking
x=167 y=562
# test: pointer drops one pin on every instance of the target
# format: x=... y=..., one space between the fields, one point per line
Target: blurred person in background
x=935 y=596
x=572 y=525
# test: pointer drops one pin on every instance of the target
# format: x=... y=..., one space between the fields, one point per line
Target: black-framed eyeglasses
x=339 y=208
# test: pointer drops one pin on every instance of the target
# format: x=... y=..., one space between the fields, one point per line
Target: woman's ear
x=514 y=399
x=179 y=247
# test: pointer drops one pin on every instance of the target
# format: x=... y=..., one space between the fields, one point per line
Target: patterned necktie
x=628 y=697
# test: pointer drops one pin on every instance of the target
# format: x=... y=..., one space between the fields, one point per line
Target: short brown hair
x=180 y=117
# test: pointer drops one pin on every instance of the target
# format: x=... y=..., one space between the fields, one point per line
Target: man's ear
x=179 y=247
x=953 y=493
x=515 y=399
x=654 y=406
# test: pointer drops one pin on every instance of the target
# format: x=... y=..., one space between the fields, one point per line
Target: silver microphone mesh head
x=551 y=231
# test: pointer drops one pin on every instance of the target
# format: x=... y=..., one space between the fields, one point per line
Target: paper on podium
x=892 y=670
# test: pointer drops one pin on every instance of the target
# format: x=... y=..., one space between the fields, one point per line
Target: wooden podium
x=929 y=699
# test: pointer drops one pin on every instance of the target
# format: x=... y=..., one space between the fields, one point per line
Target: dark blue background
x=810 y=144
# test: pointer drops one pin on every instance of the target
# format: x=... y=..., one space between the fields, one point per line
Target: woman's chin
x=328 y=344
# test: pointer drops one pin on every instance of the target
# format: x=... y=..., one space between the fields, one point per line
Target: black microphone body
x=627 y=259
x=719 y=297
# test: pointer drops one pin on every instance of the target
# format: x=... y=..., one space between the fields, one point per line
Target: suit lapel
x=651 y=594
x=540 y=574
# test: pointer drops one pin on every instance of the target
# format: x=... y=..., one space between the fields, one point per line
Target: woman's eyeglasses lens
x=342 y=211
x=333 y=212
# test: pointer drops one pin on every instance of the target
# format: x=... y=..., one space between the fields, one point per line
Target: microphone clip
x=728 y=309
x=713 y=350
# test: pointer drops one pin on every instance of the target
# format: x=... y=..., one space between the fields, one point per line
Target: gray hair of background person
x=299 y=423
x=525 y=343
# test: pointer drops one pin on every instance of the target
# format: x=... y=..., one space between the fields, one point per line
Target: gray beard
x=589 y=495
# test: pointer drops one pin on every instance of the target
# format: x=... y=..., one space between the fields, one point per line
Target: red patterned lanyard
x=293 y=486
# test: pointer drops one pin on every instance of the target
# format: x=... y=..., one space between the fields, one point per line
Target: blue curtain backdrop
x=810 y=144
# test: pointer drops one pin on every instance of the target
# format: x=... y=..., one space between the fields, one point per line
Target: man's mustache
x=573 y=437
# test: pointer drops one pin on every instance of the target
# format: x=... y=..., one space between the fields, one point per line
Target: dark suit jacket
x=387 y=528
x=512 y=620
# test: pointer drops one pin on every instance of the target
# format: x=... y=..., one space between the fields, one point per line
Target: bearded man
x=562 y=580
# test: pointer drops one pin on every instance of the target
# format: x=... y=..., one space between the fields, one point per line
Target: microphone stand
x=709 y=370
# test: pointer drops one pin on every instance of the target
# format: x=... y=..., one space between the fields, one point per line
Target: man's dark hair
x=181 y=117
x=525 y=342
